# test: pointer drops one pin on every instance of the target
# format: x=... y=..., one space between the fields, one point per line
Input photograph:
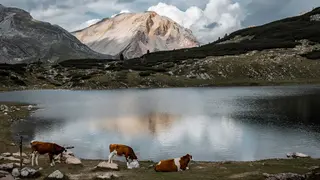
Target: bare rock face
x=133 y=34
x=24 y=39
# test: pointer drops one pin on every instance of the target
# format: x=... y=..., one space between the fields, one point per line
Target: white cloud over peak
x=217 y=18
x=122 y=11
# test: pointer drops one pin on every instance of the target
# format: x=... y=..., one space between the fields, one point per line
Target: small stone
x=6 y=167
x=7 y=154
x=109 y=175
x=18 y=154
x=56 y=175
x=15 y=172
x=29 y=172
x=314 y=167
x=11 y=159
x=24 y=173
x=26 y=161
x=30 y=107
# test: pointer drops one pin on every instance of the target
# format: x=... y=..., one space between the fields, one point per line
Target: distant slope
x=24 y=39
x=133 y=34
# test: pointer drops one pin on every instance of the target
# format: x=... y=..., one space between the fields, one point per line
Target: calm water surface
x=212 y=124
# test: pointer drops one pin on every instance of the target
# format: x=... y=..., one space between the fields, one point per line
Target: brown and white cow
x=173 y=165
x=41 y=148
x=126 y=151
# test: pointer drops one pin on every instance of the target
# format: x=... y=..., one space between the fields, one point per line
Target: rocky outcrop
x=24 y=39
x=133 y=34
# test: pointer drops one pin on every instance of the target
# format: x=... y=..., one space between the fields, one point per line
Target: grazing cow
x=123 y=150
x=41 y=148
x=173 y=165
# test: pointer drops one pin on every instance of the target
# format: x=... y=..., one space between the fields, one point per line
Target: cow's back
x=166 y=166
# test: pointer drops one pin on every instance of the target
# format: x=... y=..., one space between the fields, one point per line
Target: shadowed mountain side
x=24 y=39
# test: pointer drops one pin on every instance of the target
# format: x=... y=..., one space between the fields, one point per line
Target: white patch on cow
x=111 y=155
x=32 y=141
x=177 y=163
x=159 y=162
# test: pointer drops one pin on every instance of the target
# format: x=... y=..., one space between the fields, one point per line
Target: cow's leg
x=111 y=155
x=37 y=157
x=127 y=159
x=51 y=159
x=32 y=158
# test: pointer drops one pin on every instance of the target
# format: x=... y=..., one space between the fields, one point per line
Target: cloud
x=216 y=19
x=86 y=24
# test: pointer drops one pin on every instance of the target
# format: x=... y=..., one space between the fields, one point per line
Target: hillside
x=24 y=39
x=133 y=34
x=281 y=52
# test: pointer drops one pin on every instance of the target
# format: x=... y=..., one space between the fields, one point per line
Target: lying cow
x=41 y=148
x=126 y=151
x=173 y=165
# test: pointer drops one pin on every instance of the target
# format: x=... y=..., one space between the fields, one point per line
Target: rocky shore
x=72 y=167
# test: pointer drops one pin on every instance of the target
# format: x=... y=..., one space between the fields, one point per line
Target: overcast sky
x=208 y=19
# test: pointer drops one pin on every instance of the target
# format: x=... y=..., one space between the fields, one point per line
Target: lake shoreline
x=220 y=85
x=198 y=169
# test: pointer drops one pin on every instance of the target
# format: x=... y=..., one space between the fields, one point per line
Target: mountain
x=286 y=51
x=24 y=39
x=133 y=34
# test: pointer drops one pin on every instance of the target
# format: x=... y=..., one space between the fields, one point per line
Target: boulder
x=6 y=167
x=15 y=172
x=56 y=175
x=27 y=172
x=4 y=108
x=108 y=175
x=284 y=176
x=106 y=166
x=73 y=160
x=4 y=175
